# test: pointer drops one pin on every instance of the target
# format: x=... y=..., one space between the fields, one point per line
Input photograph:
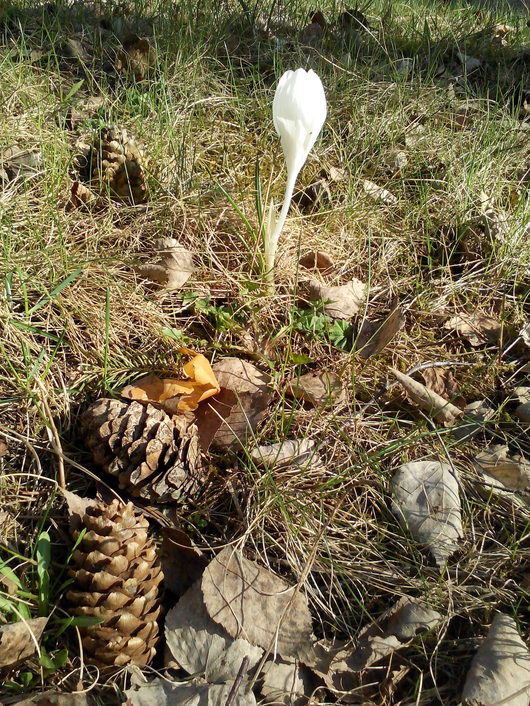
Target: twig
x=237 y=682
x=415 y=369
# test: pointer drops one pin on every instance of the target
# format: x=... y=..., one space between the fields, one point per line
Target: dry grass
x=205 y=121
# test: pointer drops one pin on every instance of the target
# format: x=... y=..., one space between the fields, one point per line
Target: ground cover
x=393 y=353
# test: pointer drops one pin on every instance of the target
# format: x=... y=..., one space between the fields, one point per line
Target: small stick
x=237 y=683
x=415 y=369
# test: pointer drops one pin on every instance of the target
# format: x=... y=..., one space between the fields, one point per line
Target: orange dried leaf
x=202 y=384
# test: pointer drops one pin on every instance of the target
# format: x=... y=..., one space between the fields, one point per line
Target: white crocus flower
x=298 y=111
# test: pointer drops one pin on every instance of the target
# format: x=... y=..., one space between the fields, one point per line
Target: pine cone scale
x=116 y=575
x=151 y=455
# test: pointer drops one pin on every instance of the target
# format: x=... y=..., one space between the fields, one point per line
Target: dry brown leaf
x=437 y=407
x=311 y=196
x=502 y=471
x=522 y=412
x=137 y=56
x=442 y=381
x=299 y=452
x=200 y=645
x=172 y=265
x=162 y=692
x=426 y=500
x=374 y=336
x=470 y=63
x=317 y=260
x=319 y=388
x=500 y=670
x=182 y=562
x=341 y=302
x=174 y=395
x=18 y=641
x=496 y=222
x=229 y=419
x=76 y=506
x=394 y=630
x=477 y=328
x=21 y=164
x=312 y=34
x=285 y=684
x=475 y=414
x=249 y=601
x=3 y=448
x=377 y=193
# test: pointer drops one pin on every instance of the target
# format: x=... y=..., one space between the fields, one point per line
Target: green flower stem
x=271 y=239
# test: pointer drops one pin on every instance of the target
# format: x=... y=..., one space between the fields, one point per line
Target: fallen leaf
x=470 y=63
x=174 y=395
x=297 y=452
x=377 y=193
x=496 y=223
x=172 y=265
x=503 y=471
x=76 y=506
x=414 y=135
x=229 y=419
x=3 y=448
x=162 y=692
x=285 y=683
x=522 y=412
x=18 y=641
x=249 y=601
x=308 y=198
x=200 y=645
x=500 y=670
x=404 y=66
x=137 y=56
x=317 y=260
x=73 y=48
x=319 y=388
x=475 y=415
x=21 y=164
x=442 y=381
x=337 y=174
x=395 y=160
x=312 y=34
x=182 y=562
x=426 y=500
x=341 y=302
x=374 y=336
x=395 y=629
x=430 y=401
x=353 y=19
x=477 y=328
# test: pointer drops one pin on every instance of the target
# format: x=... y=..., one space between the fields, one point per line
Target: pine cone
x=154 y=456
x=116 y=578
x=116 y=162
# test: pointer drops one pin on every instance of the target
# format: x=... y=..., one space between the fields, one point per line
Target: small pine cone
x=116 y=162
x=154 y=456
x=116 y=576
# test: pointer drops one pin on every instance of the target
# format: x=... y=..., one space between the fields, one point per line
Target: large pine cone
x=115 y=162
x=116 y=576
x=154 y=456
